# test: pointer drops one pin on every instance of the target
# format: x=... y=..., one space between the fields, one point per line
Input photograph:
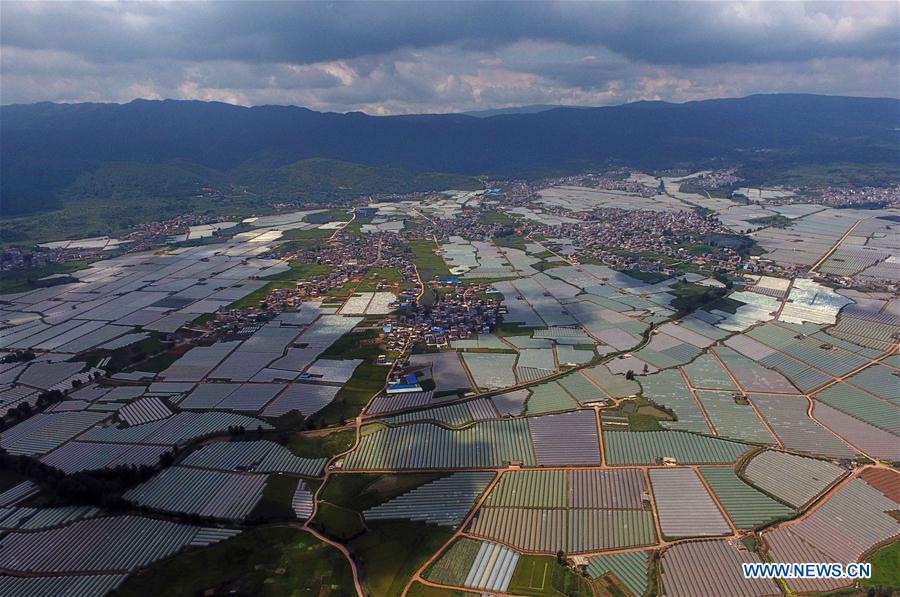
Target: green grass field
x=391 y=551
x=274 y=561
x=495 y=217
x=158 y=363
x=338 y=523
x=319 y=446
x=276 y=499
x=360 y=491
x=543 y=576
x=885 y=568
x=650 y=277
x=512 y=241
x=429 y=263
x=367 y=379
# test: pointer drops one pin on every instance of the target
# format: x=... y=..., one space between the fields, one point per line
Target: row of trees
x=102 y=488
x=23 y=410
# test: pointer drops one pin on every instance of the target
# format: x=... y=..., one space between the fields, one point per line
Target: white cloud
x=440 y=57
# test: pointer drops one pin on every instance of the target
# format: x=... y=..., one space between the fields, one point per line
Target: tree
x=629 y=375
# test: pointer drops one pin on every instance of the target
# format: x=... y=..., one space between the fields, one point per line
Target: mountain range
x=62 y=152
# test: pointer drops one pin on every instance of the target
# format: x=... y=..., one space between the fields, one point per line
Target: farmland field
x=268 y=561
x=543 y=576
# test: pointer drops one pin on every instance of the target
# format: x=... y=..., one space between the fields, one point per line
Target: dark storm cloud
x=669 y=33
x=438 y=56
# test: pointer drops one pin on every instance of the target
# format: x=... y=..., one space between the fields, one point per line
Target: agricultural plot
x=305 y=398
x=518 y=310
x=630 y=568
x=208 y=395
x=535 y=363
x=481 y=341
x=108 y=545
x=253 y=456
x=862 y=436
x=155 y=291
x=649 y=447
x=583 y=510
x=510 y=404
x=18 y=493
x=807 y=240
x=33 y=519
x=810 y=301
x=368 y=303
x=426 y=446
x=795 y=480
x=720 y=575
x=733 y=420
x=86 y=585
x=846 y=526
x=787 y=417
x=685 y=507
x=746 y=507
x=48 y=375
x=445 y=501
x=492 y=568
x=757 y=308
x=666 y=351
x=575 y=198
x=573 y=531
x=582 y=389
x=198 y=362
x=751 y=376
x=491 y=371
x=266 y=345
x=445 y=369
x=251 y=397
x=214 y=494
x=549 y=397
x=570 y=356
x=866 y=407
x=880 y=381
x=769 y=286
x=797 y=344
x=668 y=389
x=606 y=489
x=144 y=410
x=274 y=350
x=176 y=430
x=388 y=403
x=869 y=327
x=542 y=301
x=475 y=259
x=45 y=432
x=617 y=386
x=706 y=373
x=454 y=415
x=332 y=371
x=75 y=456
x=453 y=567
x=302 y=501
x=568 y=438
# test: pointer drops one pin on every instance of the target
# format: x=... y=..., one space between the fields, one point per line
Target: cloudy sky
x=394 y=58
